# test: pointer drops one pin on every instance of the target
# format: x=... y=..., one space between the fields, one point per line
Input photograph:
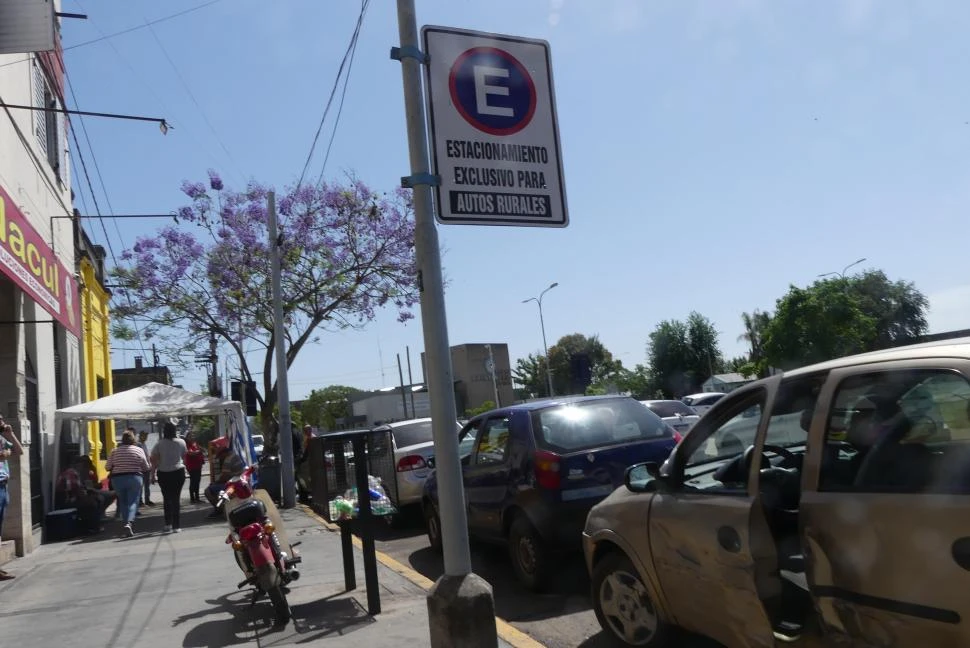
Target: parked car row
x=532 y=472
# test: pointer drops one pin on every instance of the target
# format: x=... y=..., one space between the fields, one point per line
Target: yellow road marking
x=506 y=631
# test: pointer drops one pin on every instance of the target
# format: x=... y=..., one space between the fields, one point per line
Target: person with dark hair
x=194 y=458
x=168 y=469
x=127 y=463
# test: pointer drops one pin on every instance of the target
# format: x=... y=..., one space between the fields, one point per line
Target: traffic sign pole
x=461 y=610
x=451 y=500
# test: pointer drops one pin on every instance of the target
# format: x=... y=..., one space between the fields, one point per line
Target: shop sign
x=32 y=265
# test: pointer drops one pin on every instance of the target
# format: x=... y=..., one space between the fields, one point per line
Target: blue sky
x=715 y=152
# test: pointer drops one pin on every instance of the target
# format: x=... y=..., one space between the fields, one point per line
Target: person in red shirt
x=194 y=459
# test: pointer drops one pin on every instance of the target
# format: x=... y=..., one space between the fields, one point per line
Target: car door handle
x=961 y=552
x=729 y=539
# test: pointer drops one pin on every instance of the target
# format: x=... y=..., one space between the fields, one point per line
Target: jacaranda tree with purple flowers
x=345 y=250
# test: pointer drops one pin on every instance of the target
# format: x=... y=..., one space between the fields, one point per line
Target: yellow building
x=96 y=354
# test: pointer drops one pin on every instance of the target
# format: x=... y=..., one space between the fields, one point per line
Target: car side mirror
x=645 y=478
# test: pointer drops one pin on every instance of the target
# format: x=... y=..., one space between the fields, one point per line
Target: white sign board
x=494 y=133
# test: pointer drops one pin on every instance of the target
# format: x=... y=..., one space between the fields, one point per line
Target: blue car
x=532 y=472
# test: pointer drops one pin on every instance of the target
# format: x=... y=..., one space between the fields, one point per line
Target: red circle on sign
x=512 y=62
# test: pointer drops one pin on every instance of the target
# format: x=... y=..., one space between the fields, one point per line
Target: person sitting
x=226 y=465
x=70 y=491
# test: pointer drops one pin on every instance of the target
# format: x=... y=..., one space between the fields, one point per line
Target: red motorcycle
x=257 y=543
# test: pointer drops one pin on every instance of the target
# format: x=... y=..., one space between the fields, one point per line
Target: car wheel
x=433 y=524
x=529 y=553
x=622 y=605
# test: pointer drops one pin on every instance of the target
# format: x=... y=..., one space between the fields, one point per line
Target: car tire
x=531 y=558
x=623 y=605
x=433 y=525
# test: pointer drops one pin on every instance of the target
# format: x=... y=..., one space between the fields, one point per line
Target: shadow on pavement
x=568 y=591
x=319 y=619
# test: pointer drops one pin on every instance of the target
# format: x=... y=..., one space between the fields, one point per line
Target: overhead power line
x=333 y=92
x=104 y=37
x=340 y=106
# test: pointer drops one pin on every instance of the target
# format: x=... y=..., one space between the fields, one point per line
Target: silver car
x=674 y=413
x=413 y=445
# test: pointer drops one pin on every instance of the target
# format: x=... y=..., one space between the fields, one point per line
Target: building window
x=48 y=125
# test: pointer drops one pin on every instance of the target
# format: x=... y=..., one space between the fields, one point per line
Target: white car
x=703 y=401
x=413 y=445
x=258 y=445
x=674 y=413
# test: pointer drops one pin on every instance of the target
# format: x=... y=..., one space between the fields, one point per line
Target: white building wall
x=39 y=193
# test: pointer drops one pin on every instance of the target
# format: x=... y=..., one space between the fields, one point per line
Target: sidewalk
x=164 y=590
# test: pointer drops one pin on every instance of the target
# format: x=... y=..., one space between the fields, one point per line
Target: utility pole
x=410 y=379
x=461 y=610
x=285 y=437
x=400 y=377
x=491 y=370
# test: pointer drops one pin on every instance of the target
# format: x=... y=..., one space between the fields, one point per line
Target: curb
x=506 y=631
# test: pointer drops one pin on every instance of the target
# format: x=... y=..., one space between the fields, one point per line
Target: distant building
x=725 y=383
x=124 y=379
x=474 y=381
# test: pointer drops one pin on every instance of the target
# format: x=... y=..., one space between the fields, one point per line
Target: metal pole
x=491 y=370
x=451 y=498
x=404 y=396
x=410 y=379
x=545 y=348
x=285 y=439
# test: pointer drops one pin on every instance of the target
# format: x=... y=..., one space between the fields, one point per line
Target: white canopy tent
x=157 y=401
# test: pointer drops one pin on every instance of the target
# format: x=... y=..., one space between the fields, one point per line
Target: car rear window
x=412 y=434
x=571 y=427
x=669 y=408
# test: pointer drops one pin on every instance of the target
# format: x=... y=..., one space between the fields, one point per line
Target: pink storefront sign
x=31 y=264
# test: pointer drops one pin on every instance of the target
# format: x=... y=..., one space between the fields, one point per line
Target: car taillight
x=677 y=437
x=547 y=469
x=411 y=462
x=250 y=531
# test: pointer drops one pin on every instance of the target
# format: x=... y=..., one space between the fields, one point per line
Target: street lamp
x=542 y=324
x=842 y=274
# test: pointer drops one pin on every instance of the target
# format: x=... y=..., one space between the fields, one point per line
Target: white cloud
x=949 y=309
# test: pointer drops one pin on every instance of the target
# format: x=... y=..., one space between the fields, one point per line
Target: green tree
x=322 y=407
x=683 y=354
x=755 y=325
x=530 y=373
x=842 y=316
x=603 y=366
x=481 y=409
x=637 y=381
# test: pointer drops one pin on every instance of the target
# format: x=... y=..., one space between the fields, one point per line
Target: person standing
x=9 y=447
x=194 y=458
x=146 y=481
x=168 y=468
x=127 y=463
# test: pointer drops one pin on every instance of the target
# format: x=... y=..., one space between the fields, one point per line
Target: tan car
x=856 y=534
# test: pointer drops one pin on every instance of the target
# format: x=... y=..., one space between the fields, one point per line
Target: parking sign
x=494 y=133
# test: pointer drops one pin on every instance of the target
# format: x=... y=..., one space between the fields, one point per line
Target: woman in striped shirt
x=126 y=464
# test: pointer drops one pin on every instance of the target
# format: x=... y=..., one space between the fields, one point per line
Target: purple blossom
x=194 y=190
x=215 y=181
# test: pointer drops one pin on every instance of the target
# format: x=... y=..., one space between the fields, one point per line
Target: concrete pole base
x=461 y=612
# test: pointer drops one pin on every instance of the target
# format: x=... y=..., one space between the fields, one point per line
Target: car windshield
x=411 y=434
x=667 y=408
x=258 y=439
x=577 y=426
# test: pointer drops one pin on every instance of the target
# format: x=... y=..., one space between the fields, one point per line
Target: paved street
x=562 y=617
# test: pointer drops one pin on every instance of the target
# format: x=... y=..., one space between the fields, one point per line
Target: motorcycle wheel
x=269 y=582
